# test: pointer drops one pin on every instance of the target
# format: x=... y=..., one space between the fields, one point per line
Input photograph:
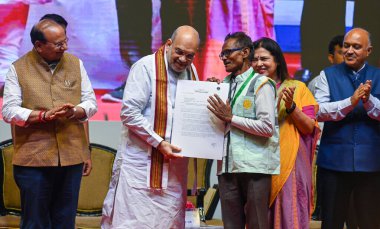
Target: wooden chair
x=94 y=188
x=92 y=193
x=10 y=199
x=206 y=197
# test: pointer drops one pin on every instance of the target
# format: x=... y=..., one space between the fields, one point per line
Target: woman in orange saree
x=291 y=194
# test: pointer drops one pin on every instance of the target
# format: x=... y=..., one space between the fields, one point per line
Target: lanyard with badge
x=234 y=97
x=242 y=88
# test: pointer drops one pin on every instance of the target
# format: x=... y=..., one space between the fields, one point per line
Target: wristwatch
x=291 y=109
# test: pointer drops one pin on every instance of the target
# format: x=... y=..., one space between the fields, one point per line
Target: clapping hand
x=361 y=93
x=367 y=90
x=58 y=112
x=287 y=95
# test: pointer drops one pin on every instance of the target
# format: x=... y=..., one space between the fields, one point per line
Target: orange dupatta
x=289 y=135
x=160 y=117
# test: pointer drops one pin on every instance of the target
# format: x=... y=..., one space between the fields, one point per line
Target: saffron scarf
x=160 y=122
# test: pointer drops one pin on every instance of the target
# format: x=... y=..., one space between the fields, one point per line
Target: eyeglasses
x=228 y=52
x=59 y=44
x=189 y=56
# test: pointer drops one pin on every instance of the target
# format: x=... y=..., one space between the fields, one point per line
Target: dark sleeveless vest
x=353 y=143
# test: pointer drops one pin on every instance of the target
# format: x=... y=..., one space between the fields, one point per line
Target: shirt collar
x=242 y=77
x=356 y=72
x=53 y=65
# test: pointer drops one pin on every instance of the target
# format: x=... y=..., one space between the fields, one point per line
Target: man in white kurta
x=131 y=201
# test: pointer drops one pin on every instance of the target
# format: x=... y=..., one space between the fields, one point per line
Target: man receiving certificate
x=251 y=143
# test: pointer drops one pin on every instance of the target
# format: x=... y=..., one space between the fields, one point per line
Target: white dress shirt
x=136 y=111
x=335 y=111
x=14 y=113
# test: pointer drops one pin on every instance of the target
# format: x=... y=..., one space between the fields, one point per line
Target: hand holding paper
x=195 y=128
x=168 y=150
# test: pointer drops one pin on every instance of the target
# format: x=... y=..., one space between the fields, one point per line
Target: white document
x=197 y=130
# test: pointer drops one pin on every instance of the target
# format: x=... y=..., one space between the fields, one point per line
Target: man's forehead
x=186 y=37
x=188 y=47
x=54 y=33
x=229 y=43
x=46 y=24
x=356 y=36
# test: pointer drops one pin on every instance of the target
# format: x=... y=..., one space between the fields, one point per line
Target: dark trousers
x=338 y=187
x=49 y=196
x=351 y=222
x=245 y=200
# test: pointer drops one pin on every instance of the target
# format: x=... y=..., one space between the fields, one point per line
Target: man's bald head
x=181 y=48
x=49 y=40
x=56 y=18
x=38 y=31
x=356 y=48
x=360 y=31
x=185 y=30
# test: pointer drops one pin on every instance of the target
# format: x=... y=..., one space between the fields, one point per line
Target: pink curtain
x=254 y=17
x=13 y=18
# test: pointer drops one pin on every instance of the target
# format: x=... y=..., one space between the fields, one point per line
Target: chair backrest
x=10 y=194
x=203 y=173
x=203 y=185
x=211 y=200
x=93 y=187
